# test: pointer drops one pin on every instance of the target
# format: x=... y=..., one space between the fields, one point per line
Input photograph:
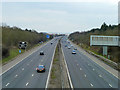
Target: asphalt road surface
x=85 y=73
x=24 y=75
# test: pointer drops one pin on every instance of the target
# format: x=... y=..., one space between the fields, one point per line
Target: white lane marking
x=110 y=85
x=22 y=68
x=100 y=76
x=85 y=75
x=88 y=65
x=71 y=85
x=28 y=64
x=26 y=57
x=31 y=60
x=80 y=68
x=91 y=84
x=16 y=75
x=48 y=78
x=77 y=64
x=27 y=83
x=7 y=84
x=93 y=69
x=32 y=75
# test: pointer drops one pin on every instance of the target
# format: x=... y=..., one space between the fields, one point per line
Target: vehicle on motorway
x=69 y=47
x=41 y=53
x=75 y=48
x=40 y=68
x=65 y=45
x=73 y=52
x=51 y=43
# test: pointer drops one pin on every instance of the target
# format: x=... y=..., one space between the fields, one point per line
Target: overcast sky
x=60 y=17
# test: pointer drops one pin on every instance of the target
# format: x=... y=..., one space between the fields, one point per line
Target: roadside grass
x=13 y=53
x=87 y=48
x=55 y=60
x=53 y=73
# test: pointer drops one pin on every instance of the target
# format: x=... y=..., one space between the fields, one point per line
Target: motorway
x=24 y=75
x=84 y=72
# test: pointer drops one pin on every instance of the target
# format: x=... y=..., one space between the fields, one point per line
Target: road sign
x=48 y=36
x=19 y=51
x=98 y=40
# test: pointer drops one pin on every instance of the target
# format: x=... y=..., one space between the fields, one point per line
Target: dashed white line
x=16 y=75
x=110 y=85
x=88 y=65
x=100 y=76
x=32 y=75
x=27 y=83
x=7 y=84
x=85 y=75
x=27 y=64
x=91 y=84
x=93 y=69
x=77 y=64
x=80 y=68
x=22 y=68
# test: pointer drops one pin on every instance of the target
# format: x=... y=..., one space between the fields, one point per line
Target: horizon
x=59 y=17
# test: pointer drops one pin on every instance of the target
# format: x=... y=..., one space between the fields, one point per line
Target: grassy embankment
x=11 y=37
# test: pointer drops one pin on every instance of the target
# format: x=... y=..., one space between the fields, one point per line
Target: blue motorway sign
x=19 y=51
x=48 y=36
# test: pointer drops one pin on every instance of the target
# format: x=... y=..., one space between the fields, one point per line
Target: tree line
x=12 y=35
x=83 y=39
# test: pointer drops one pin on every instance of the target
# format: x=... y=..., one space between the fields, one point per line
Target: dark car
x=69 y=47
x=41 y=53
x=40 y=68
x=51 y=43
x=65 y=45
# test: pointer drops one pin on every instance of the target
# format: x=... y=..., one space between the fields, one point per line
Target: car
x=75 y=48
x=73 y=52
x=41 y=53
x=65 y=45
x=51 y=43
x=69 y=47
x=40 y=68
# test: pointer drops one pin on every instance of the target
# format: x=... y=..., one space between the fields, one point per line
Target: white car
x=73 y=52
x=69 y=47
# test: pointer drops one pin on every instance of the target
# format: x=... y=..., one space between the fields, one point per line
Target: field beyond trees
x=83 y=40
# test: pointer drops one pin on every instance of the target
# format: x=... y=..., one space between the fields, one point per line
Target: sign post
x=104 y=50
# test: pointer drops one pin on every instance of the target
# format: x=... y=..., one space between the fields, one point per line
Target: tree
x=104 y=27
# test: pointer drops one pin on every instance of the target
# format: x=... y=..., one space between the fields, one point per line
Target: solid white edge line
x=67 y=70
x=50 y=68
x=23 y=58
